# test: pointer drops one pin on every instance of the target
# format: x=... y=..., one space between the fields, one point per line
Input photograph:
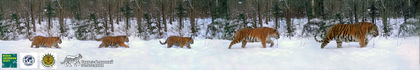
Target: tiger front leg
x=107 y=45
x=243 y=43
x=37 y=46
x=339 y=43
x=362 y=43
x=101 y=45
x=263 y=41
x=324 y=44
x=32 y=46
x=189 y=46
x=181 y=45
x=169 y=45
x=56 y=46
x=271 y=42
x=366 y=41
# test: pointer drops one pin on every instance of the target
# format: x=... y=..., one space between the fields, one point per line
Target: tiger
x=357 y=32
x=113 y=41
x=178 y=41
x=262 y=34
x=45 y=41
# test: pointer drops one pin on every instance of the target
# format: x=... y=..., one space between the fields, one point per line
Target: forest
x=210 y=19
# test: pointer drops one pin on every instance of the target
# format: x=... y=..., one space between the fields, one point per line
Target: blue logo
x=28 y=60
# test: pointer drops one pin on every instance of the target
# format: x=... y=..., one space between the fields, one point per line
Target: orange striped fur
x=350 y=33
x=255 y=34
x=178 y=41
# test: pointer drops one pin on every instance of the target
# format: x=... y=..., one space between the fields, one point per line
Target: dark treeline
x=257 y=12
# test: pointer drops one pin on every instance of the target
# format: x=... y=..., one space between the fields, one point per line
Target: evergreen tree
x=229 y=31
x=181 y=13
x=373 y=11
x=220 y=18
x=89 y=29
x=50 y=13
x=18 y=25
x=151 y=27
x=127 y=12
x=93 y=20
x=2 y=27
x=243 y=21
x=277 y=13
x=82 y=30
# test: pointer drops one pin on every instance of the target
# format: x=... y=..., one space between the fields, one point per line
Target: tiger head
x=274 y=34
x=57 y=39
x=126 y=39
x=373 y=29
x=190 y=40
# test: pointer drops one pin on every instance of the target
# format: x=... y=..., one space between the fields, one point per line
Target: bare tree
x=192 y=18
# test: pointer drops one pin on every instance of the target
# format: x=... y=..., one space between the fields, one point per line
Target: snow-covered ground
x=295 y=53
x=287 y=54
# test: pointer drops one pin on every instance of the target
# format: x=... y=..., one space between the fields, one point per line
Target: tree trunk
x=27 y=26
x=32 y=17
x=192 y=19
x=138 y=16
x=313 y=7
x=111 y=21
x=255 y=21
x=277 y=22
x=126 y=25
x=61 y=21
x=105 y=17
x=40 y=11
x=355 y=12
x=288 y=22
x=172 y=12
x=267 y=18
x=49 y=26
x=180 y=23
x=164 y=15
x=159 y=26
x=118 y=13
x=259 y=13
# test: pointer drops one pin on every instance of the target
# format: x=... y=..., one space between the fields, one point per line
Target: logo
x=76 y=61
x=9 y=61
x=48 y=60
x=72 y=60
x=28 y=60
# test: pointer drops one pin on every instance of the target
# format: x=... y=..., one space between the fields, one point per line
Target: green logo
x=48 y=60
x=9 y=60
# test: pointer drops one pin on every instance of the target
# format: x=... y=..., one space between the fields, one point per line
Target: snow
x=294 y=53
x=287 y=53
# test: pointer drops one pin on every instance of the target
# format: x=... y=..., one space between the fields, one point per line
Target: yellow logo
x=48 y=60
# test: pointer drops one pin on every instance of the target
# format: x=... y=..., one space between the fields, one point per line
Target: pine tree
x=373 y=11
x=89 y=29
x=151 y=27
x=181 y=13
x=242 y=20
x=18 y=25
x=277 y=13
x=93 y=21
x=229 y=30
x=50 y=13
x=127 y=12
x=2 y=27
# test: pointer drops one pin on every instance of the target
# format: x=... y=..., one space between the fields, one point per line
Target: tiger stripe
x=255 y=35
x=349 y=33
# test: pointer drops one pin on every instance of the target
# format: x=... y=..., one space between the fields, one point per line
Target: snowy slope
x=206 y=54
